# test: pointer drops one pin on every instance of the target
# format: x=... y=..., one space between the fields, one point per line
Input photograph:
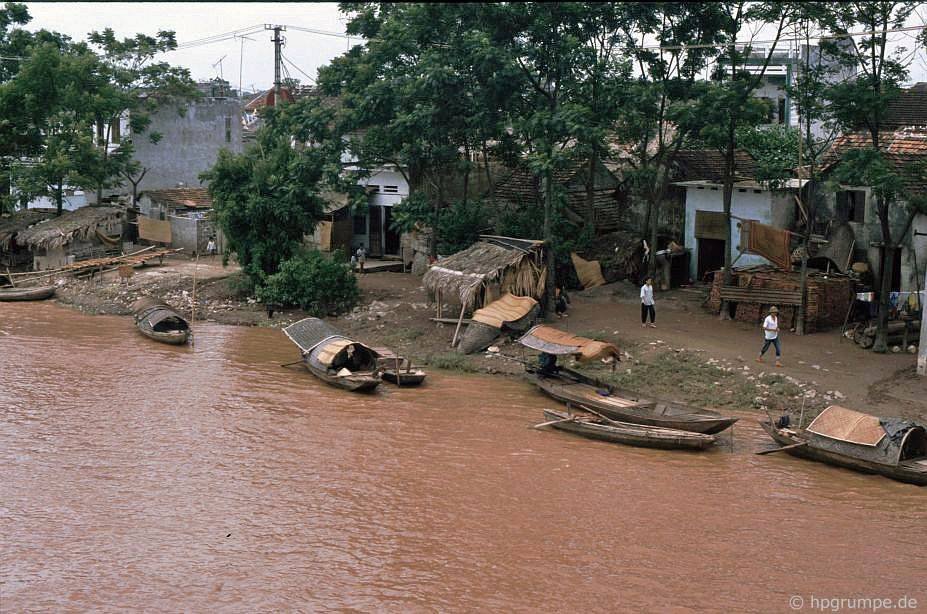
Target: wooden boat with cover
x=33 y=293
x=397 y=369
x=571 y=387
x=843 y=437
x=333 y=358
x=160 y=322
x=629 y=434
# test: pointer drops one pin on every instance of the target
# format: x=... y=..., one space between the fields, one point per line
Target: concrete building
x=386 y=187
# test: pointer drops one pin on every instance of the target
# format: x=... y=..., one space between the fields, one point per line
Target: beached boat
x=160 y=322
x=629 y=434
x=33 y=293
x=568 y=386
x=843 y=437
x=334 y=358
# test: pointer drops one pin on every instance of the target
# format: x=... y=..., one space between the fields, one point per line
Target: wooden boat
x=629 y=434
x=569 y=386
x=891 y=447
x=160 y=322
x=413 y=377
x=33 y=293
x=333 y=358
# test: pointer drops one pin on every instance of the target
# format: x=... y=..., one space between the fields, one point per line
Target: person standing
x=211 y=247
x=361 y=257
x=771 y=330
x=647 y=308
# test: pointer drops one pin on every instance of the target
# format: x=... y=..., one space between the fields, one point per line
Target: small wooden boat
x=403 y=378
x=160 y=322
x=32 y=293
x=398 y=370
x=333 y=358
x=568 y=386
x=629 y=434
x=846 y=438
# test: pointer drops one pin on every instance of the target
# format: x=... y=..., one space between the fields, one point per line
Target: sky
x=248 y=62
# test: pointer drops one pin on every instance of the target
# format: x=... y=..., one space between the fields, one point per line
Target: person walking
x=647 y=308
x=771 y=330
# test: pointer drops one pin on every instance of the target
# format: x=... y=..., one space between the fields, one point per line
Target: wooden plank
x=450 y=320
x=710 y=225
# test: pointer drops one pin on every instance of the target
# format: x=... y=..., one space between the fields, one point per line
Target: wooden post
x=193 y=304
x=459 y=322
x=922 y=350
x=398 y=373
x=10 y=277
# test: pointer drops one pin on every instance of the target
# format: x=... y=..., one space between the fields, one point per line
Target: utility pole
x=278 y=45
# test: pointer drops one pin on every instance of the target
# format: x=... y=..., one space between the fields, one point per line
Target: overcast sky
x=254 y=58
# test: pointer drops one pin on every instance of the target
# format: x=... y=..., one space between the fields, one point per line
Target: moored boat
x=843 y=437
x=413 y=377
x=27 y=293
x=160 y=322
x=629 y=434
x=332 y=357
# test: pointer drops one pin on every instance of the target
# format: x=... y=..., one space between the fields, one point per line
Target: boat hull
x=27 y=294
x=632 y=434
x=174 y=337
x=353 y=383
x=902 y=472
x=636 y=411
x=413 y=378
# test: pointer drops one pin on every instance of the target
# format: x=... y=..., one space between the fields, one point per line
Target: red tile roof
x=708 y=165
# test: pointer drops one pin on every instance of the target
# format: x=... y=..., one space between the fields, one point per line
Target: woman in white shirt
x=771 y=330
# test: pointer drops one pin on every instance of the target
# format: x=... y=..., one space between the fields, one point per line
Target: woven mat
x=845 y=424
x=506 y=309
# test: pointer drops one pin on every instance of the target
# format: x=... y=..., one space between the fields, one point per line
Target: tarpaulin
x=768 y=241
x=154 y=230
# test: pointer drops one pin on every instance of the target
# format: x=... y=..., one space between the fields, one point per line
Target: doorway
x=375 y=213
x=710 y=256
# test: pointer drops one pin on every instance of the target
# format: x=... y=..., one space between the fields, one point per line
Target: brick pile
x=829 y=297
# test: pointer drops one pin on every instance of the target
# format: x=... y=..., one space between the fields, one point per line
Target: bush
x=319 y=284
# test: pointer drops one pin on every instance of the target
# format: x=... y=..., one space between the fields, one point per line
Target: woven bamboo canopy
x=18 y=222
x=494 y=264
x=79 y=224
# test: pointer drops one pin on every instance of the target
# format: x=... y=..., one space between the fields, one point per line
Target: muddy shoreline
x=691 y=357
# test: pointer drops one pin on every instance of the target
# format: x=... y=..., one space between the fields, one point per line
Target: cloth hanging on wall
x=768 y=241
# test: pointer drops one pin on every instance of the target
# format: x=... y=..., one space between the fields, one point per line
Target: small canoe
x=34 y=293
x=902 y=456
x=571 y=387
x=405 y=378
x=160 y=322
x=629 y=434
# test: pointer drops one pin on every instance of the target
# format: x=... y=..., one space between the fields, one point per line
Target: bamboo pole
x=193 y=304
x=459 y=322
x=10 y=277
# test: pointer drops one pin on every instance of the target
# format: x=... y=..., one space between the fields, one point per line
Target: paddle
x=570 y=419
x=290 y=364
x=789 y=447
x=592 y=411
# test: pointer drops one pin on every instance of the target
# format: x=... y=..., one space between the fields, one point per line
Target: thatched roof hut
x=19 y=221
x=488 y=269
x=80 y=224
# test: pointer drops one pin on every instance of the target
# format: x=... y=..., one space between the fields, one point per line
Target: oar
x=570 y=419
x=789 y=447
x=290 y=364
x=594 y=412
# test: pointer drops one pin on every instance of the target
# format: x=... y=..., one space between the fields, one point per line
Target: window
x=228 y=129
x=372 y=188
x=391 y=189
x=851 y=206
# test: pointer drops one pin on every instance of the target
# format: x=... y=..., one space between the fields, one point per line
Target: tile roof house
x=160 y=203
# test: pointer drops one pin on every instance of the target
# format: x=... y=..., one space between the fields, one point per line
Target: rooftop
x=193 y=198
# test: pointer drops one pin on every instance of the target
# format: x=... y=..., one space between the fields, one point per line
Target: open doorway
x=710 y=256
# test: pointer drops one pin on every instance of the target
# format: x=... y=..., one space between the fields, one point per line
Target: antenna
x=219 y=64
x=241 y=61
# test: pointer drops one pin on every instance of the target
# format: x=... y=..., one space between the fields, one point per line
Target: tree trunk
x=728 y=195
x=887 y=255
x=59 y=197
x=549 y=290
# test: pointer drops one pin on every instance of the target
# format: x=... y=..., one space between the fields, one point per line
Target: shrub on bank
x=314 y=282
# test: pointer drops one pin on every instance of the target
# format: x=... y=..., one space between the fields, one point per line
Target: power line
x=297 y=68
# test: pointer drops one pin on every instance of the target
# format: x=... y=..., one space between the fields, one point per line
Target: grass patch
x=450 y=361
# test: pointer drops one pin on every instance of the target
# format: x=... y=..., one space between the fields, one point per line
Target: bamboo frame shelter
x=488 y=269
x=81 y=224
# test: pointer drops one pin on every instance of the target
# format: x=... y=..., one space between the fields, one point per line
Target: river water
x=137 y=475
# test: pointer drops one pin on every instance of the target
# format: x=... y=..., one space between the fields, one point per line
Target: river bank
x=691 y=357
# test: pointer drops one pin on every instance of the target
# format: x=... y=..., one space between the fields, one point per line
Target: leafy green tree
x=729 y=104
x=267 y=198
x=313 y=281
x=862 y=104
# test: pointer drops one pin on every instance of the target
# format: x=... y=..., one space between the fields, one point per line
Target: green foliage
x=318 y=284
x=459 y=224
x=267 y=198
x=775 y=149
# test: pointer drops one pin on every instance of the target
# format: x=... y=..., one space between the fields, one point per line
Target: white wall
x=764 y=207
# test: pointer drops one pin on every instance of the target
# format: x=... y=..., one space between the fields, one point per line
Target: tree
x=267 y=198
x=729 y=103
x=862 y=104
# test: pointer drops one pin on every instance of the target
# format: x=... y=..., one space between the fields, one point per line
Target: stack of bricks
x=829 y=297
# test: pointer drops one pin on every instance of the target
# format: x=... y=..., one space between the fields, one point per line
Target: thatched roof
x=78 y=224
x=465 y=273
x=18 y=222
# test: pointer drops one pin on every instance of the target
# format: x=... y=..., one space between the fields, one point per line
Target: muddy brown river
x=142 y=476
